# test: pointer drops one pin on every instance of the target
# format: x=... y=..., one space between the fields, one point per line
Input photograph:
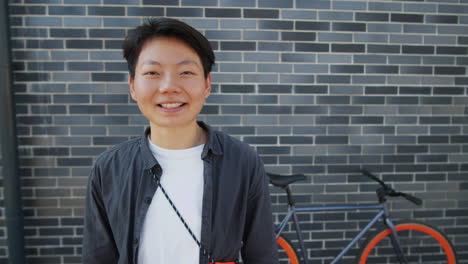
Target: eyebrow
x=184 y=62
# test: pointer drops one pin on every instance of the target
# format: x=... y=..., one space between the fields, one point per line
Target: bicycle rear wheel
x=285 y=248
x=420 y=243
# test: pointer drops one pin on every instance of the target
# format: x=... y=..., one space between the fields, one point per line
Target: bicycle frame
x=382 y=213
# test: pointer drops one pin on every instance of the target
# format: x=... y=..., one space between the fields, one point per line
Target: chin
x=172 y=123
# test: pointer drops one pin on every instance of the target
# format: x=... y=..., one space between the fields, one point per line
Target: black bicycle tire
x=371 y=237
x=290 y=246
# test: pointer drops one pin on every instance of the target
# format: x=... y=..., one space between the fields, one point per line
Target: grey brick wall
x=318 y=87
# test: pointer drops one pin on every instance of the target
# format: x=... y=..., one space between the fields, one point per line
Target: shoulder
x=120 y=153
x=232 y=144
x=235 y=149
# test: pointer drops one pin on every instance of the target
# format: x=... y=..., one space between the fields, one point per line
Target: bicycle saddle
x=284 y=180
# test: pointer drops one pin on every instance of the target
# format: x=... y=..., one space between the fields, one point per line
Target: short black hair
x=166 y=27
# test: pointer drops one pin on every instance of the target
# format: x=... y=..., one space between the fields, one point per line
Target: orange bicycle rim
x=288 y=250
x=402 y=227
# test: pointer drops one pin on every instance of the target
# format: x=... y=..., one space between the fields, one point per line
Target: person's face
x=169 y=86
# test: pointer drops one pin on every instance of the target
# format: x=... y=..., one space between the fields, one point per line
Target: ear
x=208 y=85
x=131 y=83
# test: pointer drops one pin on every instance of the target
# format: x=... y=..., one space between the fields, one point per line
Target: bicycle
x=411 y=241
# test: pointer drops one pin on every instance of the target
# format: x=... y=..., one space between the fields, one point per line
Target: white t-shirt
x=164 y=238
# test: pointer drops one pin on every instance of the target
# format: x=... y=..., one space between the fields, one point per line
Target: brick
x=310 y=110
x=390 y=28
x=313 y=5
x=345 y=110
x=238 y=23
x=109 y=77
x=436 y=100
x=145 y=11
x=343 y=26
x=350 y=130
x=72 y=120
x=297 y=57
x=298 y=36
x=276 y=3
x=110 y=120
x=105 y=11
x=408 y=18
x=312 y=26
x=260 y=13
x=238 y=130
x=66 y=10
x=113 y=44
x=334 y=37
x=274 y=110
x=331 y=140
x=450 y=70
x=108 y=140
x=332 y=120
x=312 y=47
x=296 y=78
x=238 y=109
x=418 y=49
x=452 y=50
x=452 y=9
x=160 y=2
x=402 y=100
x=106 y=33
x=238 y=45
x=67 y=33
x=270 y=46
x=370 y=37
x=308 y=169
x=333 y=79
x=411 y=28
x=382 y=69
x=258 y=35
x=31 y=77
x=441 y=19
x=27 y=10
x=29 y=32
x=81 y=2
x=371 y=16
x=310 y=89
x=261 y=140
x=307 y=68
x=452 y=30
x=223 y=34
x=354 y=48
x=121 y=22
x=45 y=130
x=43 y=21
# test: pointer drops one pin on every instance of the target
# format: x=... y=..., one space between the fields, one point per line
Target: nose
x=168 y=84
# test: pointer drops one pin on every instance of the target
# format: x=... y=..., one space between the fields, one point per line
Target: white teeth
x=172 y=105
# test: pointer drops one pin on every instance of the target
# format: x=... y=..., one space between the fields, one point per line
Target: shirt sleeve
x=259 y=239
x=98 y=241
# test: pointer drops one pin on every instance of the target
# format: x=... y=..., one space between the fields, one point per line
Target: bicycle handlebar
x=386 y=190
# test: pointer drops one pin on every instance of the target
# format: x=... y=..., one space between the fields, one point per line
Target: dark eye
x=151 y=73
x=187 y=73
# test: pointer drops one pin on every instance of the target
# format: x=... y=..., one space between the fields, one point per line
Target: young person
x=182 y=192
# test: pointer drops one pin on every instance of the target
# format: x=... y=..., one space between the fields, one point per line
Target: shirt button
x=148 y=200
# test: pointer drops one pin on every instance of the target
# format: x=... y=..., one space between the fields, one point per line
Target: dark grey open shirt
x=236 y=214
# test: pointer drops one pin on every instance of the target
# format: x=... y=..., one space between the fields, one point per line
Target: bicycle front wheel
x=285 y=248
x=420 y=243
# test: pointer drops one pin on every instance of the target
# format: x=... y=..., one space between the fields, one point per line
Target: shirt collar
x=212 y=145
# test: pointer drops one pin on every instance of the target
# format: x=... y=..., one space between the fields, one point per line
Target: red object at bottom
x=223 y=263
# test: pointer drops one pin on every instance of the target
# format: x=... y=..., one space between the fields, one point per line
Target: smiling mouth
x=171 y=105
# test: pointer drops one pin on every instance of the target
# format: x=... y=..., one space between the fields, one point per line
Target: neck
x=177 y=137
